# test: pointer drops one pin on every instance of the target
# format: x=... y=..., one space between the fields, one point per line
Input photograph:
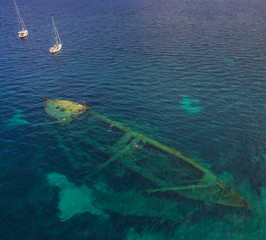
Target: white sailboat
x=58 y=44
x=24 y=32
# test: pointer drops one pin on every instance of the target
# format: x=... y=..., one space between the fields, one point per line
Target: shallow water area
x=188 y=74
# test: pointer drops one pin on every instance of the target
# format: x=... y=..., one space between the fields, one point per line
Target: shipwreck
x=169 y=171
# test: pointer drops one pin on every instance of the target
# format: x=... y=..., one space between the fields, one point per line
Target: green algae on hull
x=64 y=111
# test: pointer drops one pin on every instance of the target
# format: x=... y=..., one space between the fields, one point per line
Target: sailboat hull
x=56 y=48
x=23 y=34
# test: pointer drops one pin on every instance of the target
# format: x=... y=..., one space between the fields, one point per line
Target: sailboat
x=58 y=44
x=24 y=32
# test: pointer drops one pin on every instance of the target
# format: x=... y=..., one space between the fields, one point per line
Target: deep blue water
x=136 y=62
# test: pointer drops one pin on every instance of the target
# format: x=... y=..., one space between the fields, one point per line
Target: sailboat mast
x=58 y=36
x=19 y=17
x=58 y=40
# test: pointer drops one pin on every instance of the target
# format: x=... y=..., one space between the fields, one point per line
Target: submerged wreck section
x=170 y=172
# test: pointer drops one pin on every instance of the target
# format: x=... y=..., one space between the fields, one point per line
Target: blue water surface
x=188 y=73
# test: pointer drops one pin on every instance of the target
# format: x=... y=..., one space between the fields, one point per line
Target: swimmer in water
x=110 y=128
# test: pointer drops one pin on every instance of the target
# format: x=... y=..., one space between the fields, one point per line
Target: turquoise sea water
x=190 y=74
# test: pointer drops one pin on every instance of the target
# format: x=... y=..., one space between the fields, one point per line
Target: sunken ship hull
x=169 y=172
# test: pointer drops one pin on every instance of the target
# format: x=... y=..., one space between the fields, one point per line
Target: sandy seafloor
x=188 y=73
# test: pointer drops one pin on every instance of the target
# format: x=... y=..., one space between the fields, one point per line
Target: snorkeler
x=110 y=128
x=85 y=105
x=47 y=100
